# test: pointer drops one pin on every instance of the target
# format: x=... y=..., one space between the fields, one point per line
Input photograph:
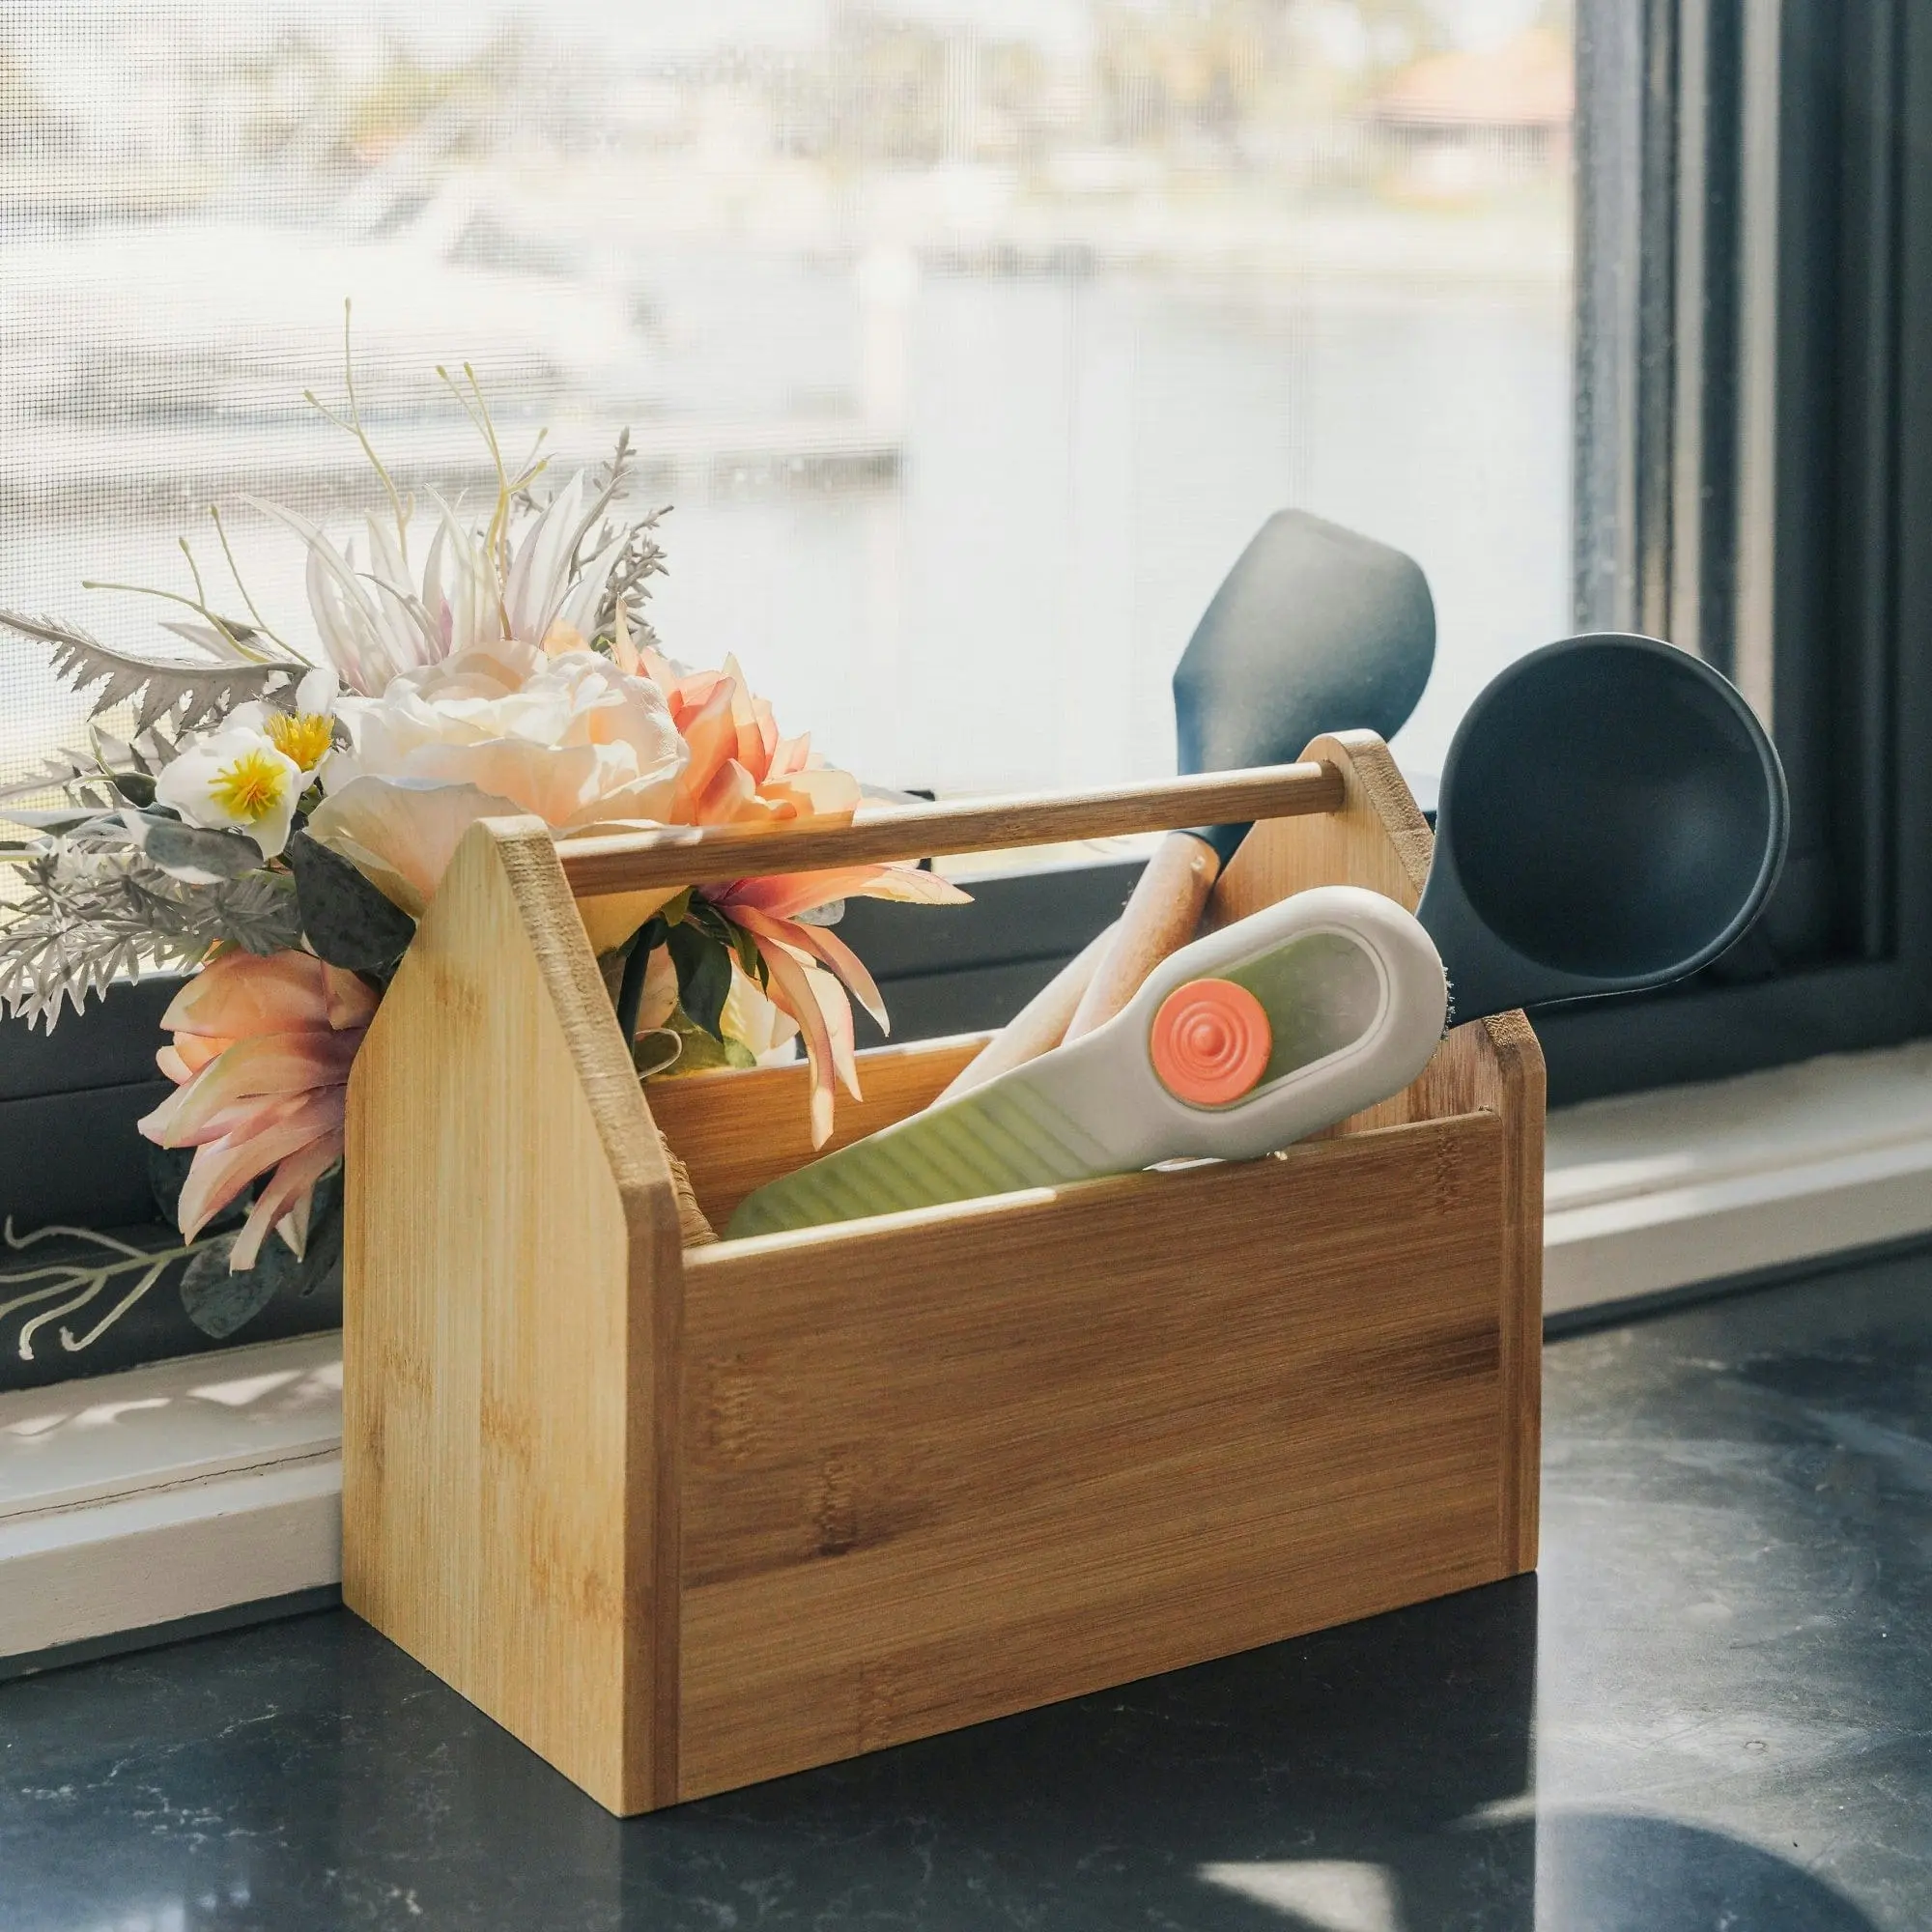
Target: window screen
x=969 y=341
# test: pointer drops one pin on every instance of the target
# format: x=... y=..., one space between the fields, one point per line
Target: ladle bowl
x=1612 y=816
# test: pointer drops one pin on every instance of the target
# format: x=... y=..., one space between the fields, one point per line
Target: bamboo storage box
x=683 y=1520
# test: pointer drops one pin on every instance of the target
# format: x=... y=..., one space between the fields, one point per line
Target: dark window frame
x=1667 y=304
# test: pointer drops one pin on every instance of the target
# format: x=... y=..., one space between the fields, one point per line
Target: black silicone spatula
x=1612 y=816
x=1316 y=629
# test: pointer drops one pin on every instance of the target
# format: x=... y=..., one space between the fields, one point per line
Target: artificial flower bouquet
x=279 y=816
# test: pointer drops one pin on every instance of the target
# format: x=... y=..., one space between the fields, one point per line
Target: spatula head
x=1316 y=629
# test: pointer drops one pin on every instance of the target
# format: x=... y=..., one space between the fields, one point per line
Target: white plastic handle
x=1281 y=1023
x=1352 y=1020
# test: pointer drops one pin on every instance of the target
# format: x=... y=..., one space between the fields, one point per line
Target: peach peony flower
x=260 y=1057
x=498 y=729
x=742 y=771
x=527 y=721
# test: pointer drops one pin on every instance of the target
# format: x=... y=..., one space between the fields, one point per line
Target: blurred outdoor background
x=970 y=339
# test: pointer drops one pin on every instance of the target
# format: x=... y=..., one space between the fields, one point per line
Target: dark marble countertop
x=1711 y=1709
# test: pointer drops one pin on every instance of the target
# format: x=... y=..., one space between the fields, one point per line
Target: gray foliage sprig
x=62 y=771
x=72 y=1284
x=171 y=692
x=640 y=559
x=99 y=906
x=112 y=770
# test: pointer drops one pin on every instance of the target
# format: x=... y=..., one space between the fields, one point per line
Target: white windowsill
x=184 y=1488
x=169 y=1492
x=1651 y=1192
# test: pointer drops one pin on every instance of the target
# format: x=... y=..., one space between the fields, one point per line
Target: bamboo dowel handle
x=685 y=856
x=1160 y=918
x=1039 y=1026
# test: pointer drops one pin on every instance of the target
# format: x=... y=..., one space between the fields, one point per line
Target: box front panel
x=956 y=1465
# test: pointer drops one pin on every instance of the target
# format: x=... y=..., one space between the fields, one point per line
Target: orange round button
x=1211 y=1041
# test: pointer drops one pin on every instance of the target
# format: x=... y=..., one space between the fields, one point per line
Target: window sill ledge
x=184 y=1488
x=169 y=1492
x=1649 y=1193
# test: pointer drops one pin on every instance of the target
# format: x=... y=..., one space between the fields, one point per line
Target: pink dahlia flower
x=260 y=1060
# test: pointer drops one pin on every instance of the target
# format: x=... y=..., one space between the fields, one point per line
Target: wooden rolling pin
x=1099 y=980
x=1040 y=1025
x=1161 y=917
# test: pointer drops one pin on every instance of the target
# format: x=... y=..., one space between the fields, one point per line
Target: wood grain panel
x=737 y=1131
x=1379 y=839
x=958 y=1463
x=511 y=1331
x=1520 y=1104
x=681 y=856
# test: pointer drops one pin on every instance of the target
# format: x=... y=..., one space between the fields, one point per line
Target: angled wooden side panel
x=1378 y=839
x=1381 y=840
x=512 y=1302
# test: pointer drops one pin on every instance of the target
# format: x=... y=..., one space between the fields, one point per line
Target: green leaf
x=706 y=917
x=320 y=1270
x=348 y=922
x=703 y=976
x=219 y=1303
x=728 y=934
x=751 y=958
x=698 y=1052
x=167 y=1175
x=188 y=853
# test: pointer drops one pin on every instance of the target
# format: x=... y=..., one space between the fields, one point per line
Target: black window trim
x=1744 y=475
x=1835 y=232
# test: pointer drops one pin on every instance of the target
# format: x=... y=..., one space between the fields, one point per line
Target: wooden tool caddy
x=682 y=1520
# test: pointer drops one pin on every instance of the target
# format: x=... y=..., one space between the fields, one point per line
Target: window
x=970 y=340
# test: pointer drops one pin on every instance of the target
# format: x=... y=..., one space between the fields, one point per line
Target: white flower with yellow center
x=307 y=733
x=234 y=780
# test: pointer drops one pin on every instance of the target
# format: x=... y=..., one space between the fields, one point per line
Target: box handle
x=680 y=856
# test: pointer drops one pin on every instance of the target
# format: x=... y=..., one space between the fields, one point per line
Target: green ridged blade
x=1007 y=1135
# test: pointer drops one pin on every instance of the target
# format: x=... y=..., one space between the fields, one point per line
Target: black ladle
x=1612 y=816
